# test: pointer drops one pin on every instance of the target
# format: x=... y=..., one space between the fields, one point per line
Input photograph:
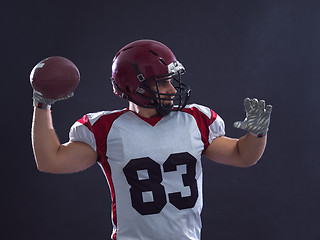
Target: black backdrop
x=231 y=49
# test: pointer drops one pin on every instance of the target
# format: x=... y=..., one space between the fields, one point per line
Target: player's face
x=165 y=87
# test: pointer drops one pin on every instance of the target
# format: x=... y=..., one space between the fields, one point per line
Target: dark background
x=231 y=49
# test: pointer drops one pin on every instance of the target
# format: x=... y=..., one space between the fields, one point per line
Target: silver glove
x=42 y=102
x=257 y=117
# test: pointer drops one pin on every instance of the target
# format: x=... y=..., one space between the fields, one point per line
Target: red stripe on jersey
x=107 y=171
x=85 y=121
x=101 y=129
x=203 y=122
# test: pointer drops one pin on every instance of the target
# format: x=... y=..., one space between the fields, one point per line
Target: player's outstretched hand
x=257 y=117
x=42 y=102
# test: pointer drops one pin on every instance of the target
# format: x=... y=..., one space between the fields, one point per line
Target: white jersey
x=153 y=168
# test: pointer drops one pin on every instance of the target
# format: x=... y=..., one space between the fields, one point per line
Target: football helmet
x=143 y=63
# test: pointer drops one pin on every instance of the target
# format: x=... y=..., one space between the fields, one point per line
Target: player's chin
x=167 y=103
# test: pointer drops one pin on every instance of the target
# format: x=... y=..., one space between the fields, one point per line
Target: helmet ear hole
x=128 y=89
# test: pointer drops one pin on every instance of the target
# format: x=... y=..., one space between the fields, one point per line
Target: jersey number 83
x=154 y=183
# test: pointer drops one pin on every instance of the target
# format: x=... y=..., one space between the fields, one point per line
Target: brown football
x=55 y=77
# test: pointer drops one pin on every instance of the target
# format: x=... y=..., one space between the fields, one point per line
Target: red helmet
x=140 y=63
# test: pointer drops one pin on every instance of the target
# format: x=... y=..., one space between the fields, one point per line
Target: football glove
x=45 y=103
x=257 y=117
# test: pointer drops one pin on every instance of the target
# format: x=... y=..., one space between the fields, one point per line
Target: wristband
x=259 y=135
x=41 y=104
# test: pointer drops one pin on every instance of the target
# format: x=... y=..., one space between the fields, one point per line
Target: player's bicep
x=74 y=157
x=224 y=150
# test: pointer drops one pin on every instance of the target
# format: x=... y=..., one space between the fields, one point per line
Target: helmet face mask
x=139 y=68
x=179 y=99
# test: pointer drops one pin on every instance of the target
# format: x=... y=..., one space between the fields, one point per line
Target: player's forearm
x=250 y=149
x=45 y=142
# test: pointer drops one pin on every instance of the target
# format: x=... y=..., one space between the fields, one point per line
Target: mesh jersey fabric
x=153 y=168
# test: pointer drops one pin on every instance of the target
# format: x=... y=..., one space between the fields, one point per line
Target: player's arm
x=50 y=155
x=243 y=152
x=54 y=79
x=246 y=151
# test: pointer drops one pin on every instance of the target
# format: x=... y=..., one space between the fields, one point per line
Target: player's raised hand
x=257 y=117
x=40 y=101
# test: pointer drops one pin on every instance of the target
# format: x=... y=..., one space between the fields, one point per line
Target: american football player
x=150 y=152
